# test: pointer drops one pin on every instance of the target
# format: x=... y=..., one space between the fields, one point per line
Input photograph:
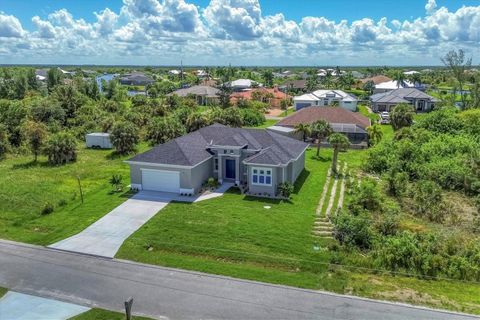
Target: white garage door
x=158 y=180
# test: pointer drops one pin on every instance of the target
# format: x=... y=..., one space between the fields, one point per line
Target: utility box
x=98 y=140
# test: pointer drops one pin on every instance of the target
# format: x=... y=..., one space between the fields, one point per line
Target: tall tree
x=36 y=134
x=457 y=63
x=339 y=142
x=124 y=137
x=402 y=116
x=399 y=77
x=61 y=148
x=54 y=78
x=268 y=78
x=320 y=130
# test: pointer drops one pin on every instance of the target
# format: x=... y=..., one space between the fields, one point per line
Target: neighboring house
x=294 y=85
x=409 y=73
x=41 y=74
x=243 y=84
x=136 y=79
x=284 y=74
x=377 y=79
x=386 y=101
x=205 y=95
x=202 y=74
x=271 y=96
x=357 y=75
x=393 y=85
x=352 y=124
x=256 y=159
x=174 y=72
x=326 y=98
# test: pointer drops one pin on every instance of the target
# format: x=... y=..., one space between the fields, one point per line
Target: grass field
x=236 y=235
x=266 y=124
x=26 y=187
x=100 y=314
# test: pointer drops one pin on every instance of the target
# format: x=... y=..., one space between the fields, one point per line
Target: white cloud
x=10 y=26
x=165 y=31
x=431 y=6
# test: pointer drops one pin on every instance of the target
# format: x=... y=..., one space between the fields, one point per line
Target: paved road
x=176 y=294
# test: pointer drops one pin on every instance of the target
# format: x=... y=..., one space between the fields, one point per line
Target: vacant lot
x=238 y=236
x=26 y=188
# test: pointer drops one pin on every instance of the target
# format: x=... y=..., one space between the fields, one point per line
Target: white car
x=385 y=115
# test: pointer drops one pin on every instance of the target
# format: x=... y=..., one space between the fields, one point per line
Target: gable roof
x=400 y=96
x=205 y=91
x=194 y=148
x=333 y=115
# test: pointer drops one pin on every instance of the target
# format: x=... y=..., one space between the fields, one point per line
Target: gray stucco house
x=386 y=101
x=256 y=159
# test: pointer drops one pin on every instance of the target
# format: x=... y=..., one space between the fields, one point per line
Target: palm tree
x=304 y=129
x=319 y=131
x=402 y=116
x=375 y=134
x=339 y=142
x=400 y=78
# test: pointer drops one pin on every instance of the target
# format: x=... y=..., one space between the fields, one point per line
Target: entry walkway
x=19 y=306
x=106 y=236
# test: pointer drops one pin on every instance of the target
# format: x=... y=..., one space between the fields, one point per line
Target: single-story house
x=294 y=85
x=393 y=85
x=256 y=159
x=136 y=79
x=326 y=98
x=386 y=101
x=205 y=95
x=243 y=84
x=41 y=74
x=272 y=96
x=352 y=124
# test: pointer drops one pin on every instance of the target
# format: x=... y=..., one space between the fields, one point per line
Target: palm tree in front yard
x=304 y=129
x=339 y=142
x=319 y=131
x=375 y=134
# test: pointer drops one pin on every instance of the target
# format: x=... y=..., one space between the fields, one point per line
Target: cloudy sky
x=240 y=32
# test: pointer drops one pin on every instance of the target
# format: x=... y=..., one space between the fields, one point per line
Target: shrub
x=62 y=203
x=47 y=209
x=124 y=137
x=162 y=130
x=252 y=118
x=61 y=148
x=212 y=183
x=366 y=197
x=3 y=141
x=116 y=182
x=428 y=200
x=353 y=230
x=285 y=189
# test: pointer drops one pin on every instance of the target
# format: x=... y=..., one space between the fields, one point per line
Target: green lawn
x=287 y=112
x=266 y=124
x=100 y=314
x=26 y=187
x=235 y=235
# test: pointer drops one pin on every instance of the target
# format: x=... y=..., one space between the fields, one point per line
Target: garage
x=160 y=180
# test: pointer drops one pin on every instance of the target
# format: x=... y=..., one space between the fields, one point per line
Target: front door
x=229 y=169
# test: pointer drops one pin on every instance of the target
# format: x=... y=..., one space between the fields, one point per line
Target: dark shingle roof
x=205 y=91
x=400 y=96
x=191 y=149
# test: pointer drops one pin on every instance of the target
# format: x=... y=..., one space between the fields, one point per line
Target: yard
x=26 y=187
x=272 y=241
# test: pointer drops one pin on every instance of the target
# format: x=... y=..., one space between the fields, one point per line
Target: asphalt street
x=177 y=294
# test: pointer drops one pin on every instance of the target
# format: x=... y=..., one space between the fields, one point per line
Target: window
x=262 y=176
x=232 y=152
x=215 y=164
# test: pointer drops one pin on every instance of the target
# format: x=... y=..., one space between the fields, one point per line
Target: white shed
x=98 y=140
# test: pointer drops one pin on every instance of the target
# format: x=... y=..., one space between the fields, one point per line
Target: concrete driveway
x=105 y=236
x=18 y=306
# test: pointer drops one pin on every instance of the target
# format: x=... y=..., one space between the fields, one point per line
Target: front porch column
x=237 y=171
x=220 y=168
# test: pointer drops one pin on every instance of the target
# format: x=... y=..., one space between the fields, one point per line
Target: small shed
x=98 y=140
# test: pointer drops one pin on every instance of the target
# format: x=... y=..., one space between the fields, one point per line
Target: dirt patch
x=411 y=296
x=274 y=112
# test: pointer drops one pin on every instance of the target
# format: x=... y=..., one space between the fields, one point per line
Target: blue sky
x=243 y=32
